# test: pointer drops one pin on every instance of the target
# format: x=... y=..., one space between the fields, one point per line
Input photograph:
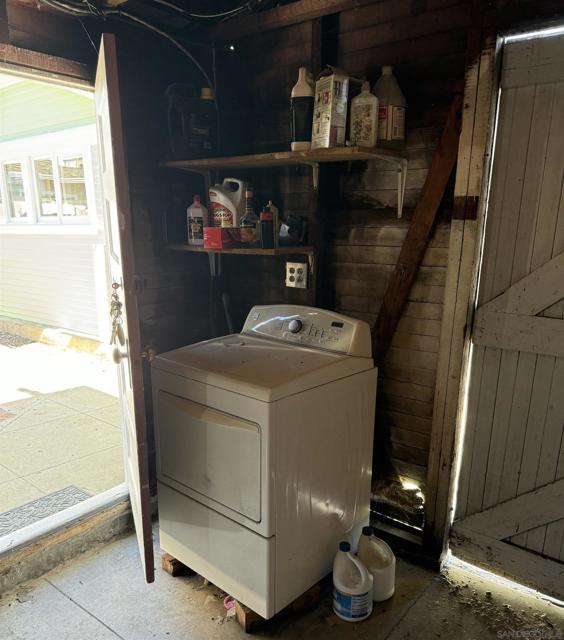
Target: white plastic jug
x=364 y=118
x=380 y=561
x=197 y=219
x=227 y=202
x=391 y=109
x=352 y=586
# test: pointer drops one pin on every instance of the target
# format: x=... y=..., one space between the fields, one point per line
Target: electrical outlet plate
x=296 y=275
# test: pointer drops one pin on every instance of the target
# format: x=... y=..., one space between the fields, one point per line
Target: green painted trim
x=52 y=129
x=30 y=108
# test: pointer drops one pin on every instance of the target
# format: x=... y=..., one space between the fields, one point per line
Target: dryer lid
x=259 y=368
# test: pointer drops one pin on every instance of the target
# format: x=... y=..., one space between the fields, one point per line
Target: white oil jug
x=391 y=108
x=352 y=586
x=227 y=202
x=380 y=561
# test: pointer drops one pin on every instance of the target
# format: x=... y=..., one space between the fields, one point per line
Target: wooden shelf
x=204 y=166
x=281 y=251
x=284 y=158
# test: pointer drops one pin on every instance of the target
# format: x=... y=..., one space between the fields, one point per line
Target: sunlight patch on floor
x=39 y=369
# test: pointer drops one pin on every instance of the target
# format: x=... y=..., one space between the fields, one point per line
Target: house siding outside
x=54 y=274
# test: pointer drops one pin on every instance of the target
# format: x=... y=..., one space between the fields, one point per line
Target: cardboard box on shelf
x=222 y=237
x=330 y=109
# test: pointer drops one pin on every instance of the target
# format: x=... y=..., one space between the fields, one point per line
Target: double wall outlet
x=296 y=274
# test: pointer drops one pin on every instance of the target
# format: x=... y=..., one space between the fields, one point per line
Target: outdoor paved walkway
x=59 y=427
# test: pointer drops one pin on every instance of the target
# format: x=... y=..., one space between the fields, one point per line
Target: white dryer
x=264 y=451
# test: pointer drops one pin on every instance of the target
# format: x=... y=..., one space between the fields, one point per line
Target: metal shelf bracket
x=314 y=173
x=401 y=167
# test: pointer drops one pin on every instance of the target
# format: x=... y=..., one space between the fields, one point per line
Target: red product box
x=221 y=237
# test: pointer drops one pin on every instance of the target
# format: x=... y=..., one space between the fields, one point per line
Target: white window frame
x=3 y=213
x=88 y=182
x=41 y=219
x=8 y=219
x=31 y=191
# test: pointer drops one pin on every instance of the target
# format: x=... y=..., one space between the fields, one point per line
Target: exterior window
x=48 y=189
x=45 y=184
x=73 y=187
x=15 y=190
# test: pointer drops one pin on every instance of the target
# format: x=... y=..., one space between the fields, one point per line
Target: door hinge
x=149 y=354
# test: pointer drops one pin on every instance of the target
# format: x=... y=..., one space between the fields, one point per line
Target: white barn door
x=509 y=513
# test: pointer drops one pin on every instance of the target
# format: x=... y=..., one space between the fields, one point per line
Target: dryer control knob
x=295 y=326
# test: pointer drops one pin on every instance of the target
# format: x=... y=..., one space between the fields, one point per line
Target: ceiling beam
x=284 y=16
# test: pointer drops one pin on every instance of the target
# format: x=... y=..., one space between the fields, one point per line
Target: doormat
x=40 y=508
x=13 y=341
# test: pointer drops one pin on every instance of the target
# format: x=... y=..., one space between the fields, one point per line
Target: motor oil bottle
x=249 y=223
x=380 y=561
x=227 y=202
x=202 y=129
x=352 y=586
x=197 y=218
x=275 y=221
x=364 y=118
x=301 y=109
x=391 y=108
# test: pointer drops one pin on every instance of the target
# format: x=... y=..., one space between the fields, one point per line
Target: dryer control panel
x=310 y=327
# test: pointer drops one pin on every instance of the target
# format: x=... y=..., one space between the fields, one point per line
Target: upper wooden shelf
x=282 y=158
x=242 y=251
x=308 y=158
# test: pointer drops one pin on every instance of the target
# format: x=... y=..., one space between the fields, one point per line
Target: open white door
x=127 y=342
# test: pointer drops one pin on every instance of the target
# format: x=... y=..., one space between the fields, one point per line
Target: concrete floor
x=60 y=425
x=102 y=596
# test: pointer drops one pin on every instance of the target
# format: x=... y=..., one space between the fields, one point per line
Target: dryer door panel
x=210 y=452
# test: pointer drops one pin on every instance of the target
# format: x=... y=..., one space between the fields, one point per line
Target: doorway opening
x=60 y=417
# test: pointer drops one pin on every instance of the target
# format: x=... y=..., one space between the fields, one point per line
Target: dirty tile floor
x=59 y=424
x=102 y=596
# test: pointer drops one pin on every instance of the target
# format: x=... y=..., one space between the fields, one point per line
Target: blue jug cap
x=344 y=546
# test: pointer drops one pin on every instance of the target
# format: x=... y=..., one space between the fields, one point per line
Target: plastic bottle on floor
x=380 y=561
x=352 y=586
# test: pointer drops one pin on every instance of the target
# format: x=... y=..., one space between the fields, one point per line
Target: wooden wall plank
x=282 y=16
x=554 y=540
x=444 y=19
x=520 y=514
x=509 y=561
x=418 y=234
x=387 y=11
x=407 y=421
x=502 y=417
x=454 y=348
x=408 y=373
x=533 y=334
x=38 y=64
x=534 y=292
x=517 y=426
x=390 y=234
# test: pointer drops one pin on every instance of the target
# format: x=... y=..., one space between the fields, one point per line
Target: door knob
x=117 y=355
